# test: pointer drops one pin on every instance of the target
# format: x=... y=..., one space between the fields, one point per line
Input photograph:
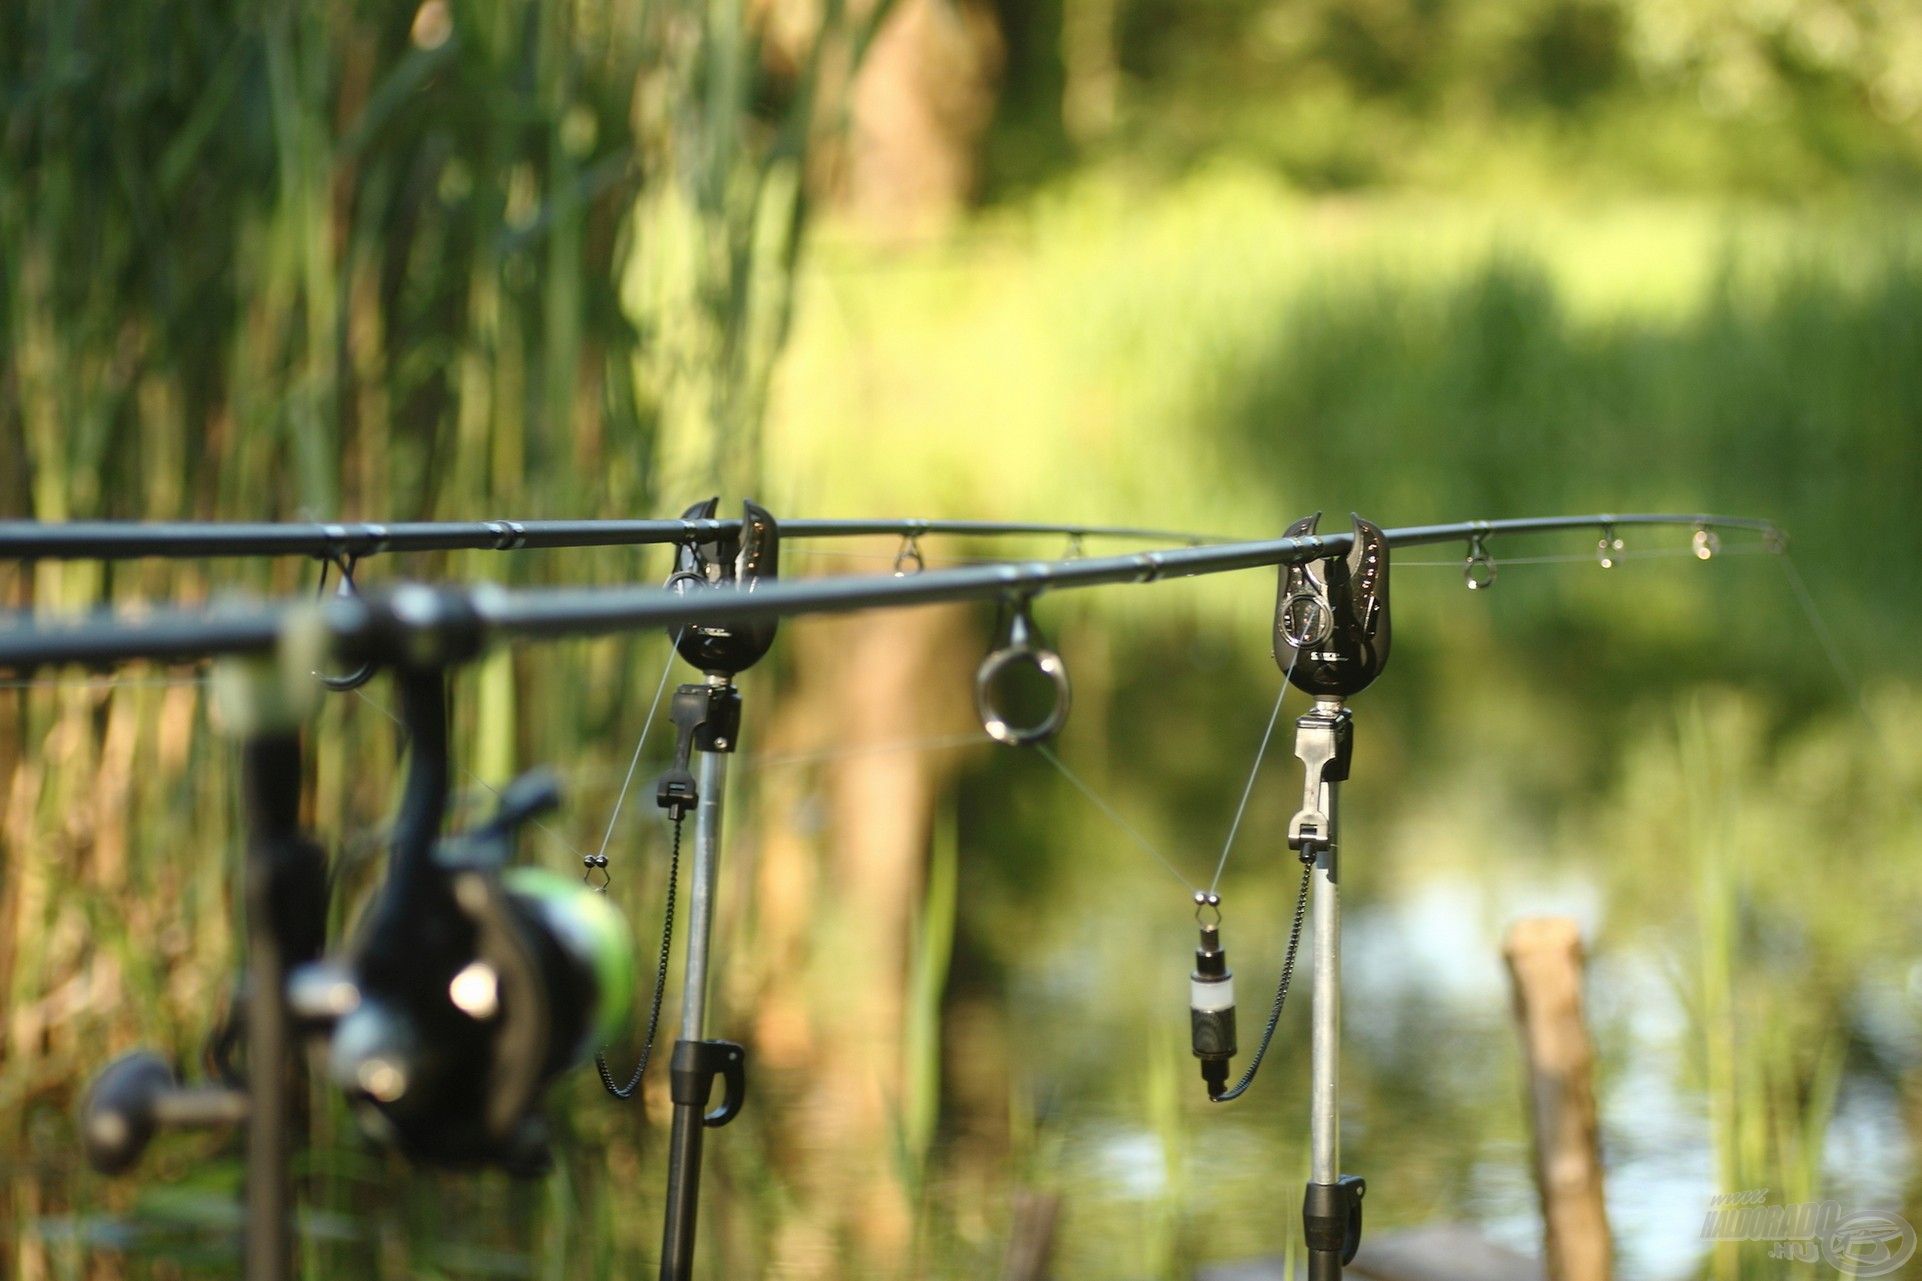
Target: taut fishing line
x=1212 y=993
x=465 y=773
x=598 y=862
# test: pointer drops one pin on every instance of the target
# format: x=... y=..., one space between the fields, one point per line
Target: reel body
x=455 y=1025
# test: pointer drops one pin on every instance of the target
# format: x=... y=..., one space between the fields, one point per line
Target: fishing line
x=1248 y=790
x=598 y=862
x=103 y=682
x=1818 y=623
x=1647 y=553
x=750 y=763
x=1114 y=815
x=470 y=775
x=886 y=747
x=1826 y=638
x=667 y=669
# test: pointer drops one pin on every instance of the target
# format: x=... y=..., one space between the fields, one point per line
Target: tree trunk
x=844 y=847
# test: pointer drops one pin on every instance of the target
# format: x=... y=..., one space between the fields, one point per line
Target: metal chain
x=1281 y=992
x=660 y=984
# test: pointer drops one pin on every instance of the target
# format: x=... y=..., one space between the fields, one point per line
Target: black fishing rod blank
x=373 y=627
x=26 y=540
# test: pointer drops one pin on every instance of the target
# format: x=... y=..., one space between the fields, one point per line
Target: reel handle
x=136 y=1097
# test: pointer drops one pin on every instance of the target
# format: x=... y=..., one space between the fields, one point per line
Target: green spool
x=595 y=934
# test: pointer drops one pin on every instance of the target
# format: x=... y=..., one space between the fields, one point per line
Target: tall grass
x=449 y=260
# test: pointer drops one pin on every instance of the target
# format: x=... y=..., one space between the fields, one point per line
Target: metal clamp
x=1023 y=646
x=1331 y=1222
x=691 y=1073
x=707 y=717
x=1325 y=742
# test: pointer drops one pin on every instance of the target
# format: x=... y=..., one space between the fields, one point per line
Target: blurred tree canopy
x=1771 y=97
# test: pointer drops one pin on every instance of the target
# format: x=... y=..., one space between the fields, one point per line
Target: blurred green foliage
x=1778 y=99
x=1665 y=744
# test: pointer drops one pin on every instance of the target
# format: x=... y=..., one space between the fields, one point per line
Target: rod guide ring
x=1023 y=647
x=909 y=560
x=1609 y=548
x=1479 y=570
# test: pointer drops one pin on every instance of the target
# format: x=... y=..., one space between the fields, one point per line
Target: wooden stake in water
x=1545 y=963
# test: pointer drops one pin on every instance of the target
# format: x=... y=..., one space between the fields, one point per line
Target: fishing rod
x=445 y=1049
x=26 y=540
x=342 y=548
x=374 y=626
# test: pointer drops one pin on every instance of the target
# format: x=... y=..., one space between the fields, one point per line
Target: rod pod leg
x=1331 y=1206
x=697 y=1061
x=272 y=785
x=284 y=887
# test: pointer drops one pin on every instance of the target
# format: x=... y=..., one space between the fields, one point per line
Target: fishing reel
x=446 y=1032
x=1331 y=615
x=472 y=986
x=738 y=560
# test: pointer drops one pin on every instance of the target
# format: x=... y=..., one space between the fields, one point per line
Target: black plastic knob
x=118 y=1118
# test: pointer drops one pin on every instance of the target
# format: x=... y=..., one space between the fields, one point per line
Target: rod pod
x=1331 y=1206
x=707 y=720
x=1331 y=638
